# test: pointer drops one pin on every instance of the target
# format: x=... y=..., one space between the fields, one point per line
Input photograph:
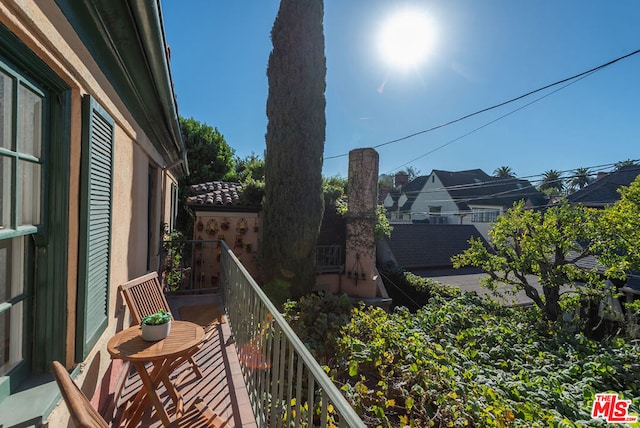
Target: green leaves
x=157 y=318
x=463 y=361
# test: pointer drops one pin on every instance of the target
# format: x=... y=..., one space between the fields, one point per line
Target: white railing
x=286 y=385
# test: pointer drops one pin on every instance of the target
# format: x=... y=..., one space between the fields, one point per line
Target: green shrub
x=318 y=319
x=466 y=361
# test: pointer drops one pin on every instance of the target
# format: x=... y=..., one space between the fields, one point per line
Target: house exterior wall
x=434 y=195
x=241 y=235
x=46 y=32
x=483 y=226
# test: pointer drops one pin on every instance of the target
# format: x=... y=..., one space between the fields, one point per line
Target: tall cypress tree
x=295 y=137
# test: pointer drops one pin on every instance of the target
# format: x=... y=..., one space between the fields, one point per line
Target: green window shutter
x=95 y=226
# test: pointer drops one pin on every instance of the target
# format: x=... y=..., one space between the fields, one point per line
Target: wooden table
x=128 y=345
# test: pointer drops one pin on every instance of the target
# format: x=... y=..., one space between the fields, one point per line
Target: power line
x=491 y=122
x=559 y=82
x=499 y=182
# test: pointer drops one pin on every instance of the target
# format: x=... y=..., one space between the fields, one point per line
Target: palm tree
x=552 y=183
x=619 y=165
x=504 y=172
x=581 y=178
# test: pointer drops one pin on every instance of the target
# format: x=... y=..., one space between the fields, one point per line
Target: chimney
x=401 y=179
x=360 y=257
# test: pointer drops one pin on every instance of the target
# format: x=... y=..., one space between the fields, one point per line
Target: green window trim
x=95 y=226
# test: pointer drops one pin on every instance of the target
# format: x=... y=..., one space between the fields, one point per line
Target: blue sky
x=484 y=52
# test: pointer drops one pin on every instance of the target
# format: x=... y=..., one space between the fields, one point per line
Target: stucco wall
x=45 y=31
x=241 y=235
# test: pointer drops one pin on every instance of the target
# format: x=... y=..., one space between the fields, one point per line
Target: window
x=485 y=215
x=35 y=108
x=21 y=164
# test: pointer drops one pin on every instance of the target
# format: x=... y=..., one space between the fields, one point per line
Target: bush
x=318 y=319
x=466 y=361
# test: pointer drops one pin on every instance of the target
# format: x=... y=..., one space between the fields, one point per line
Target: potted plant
x=156 y=326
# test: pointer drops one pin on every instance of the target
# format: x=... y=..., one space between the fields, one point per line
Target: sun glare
x=406 y=38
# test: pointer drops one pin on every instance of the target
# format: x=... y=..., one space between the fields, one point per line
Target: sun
x=406 y=38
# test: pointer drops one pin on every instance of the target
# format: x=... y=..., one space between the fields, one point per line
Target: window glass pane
x=5 y=270
x=11 y=268
x=6 y=174
x=6 y=110
x=29 y=122
x=11 y=325
x=29 y=176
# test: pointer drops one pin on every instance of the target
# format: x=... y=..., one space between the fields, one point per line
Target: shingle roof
x=417 y=246
x=412 y=190
x=604 y=191
x=477 y=187
x=215 y=194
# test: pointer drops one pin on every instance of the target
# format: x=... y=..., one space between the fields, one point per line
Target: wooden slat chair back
x=144 y=296
x=82 y=412
x=85 y=416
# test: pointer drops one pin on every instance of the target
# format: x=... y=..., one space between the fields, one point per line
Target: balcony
x=256 y=371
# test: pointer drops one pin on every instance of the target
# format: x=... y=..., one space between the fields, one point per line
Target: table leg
x=150 y=386
x=163 y=375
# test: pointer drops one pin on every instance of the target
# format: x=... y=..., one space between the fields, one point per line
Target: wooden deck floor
x=221 y=387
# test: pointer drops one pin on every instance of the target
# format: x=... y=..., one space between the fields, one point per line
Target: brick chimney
x=401 y=179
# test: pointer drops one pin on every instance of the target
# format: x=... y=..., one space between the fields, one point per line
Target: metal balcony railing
x=191 y=266
x=329 y=258
x=286 y=385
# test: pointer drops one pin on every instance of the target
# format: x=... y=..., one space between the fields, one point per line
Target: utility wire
x=529 y=178
x=559 y=82
x=488 y=123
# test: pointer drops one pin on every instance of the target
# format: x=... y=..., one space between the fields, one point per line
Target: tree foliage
x=627 y=162
x=210 y=157
x=412 y=172
x=250 y=167
x=295 y=142
x=552 y=182
x=554 y=246
x=463 y=361
x=546 y=245
x=581 y=178
x=504 y=172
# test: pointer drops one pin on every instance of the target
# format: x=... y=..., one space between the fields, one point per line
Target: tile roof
x=215 y=194
x=604 y=191
x=419 y=246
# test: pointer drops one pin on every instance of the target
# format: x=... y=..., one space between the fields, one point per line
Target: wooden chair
x=85 y=416
x=144 y=296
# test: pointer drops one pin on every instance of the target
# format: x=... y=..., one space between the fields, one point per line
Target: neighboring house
x=90 y=152
x=462 y=197
x=220 y=214
x=604 y=190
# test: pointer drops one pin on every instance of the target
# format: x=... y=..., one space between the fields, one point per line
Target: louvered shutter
x=95 y=226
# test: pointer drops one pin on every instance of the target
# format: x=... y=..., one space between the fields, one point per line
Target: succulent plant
x=157 y=318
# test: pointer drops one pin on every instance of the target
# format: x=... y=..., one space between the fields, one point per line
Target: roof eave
x=127 y=41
